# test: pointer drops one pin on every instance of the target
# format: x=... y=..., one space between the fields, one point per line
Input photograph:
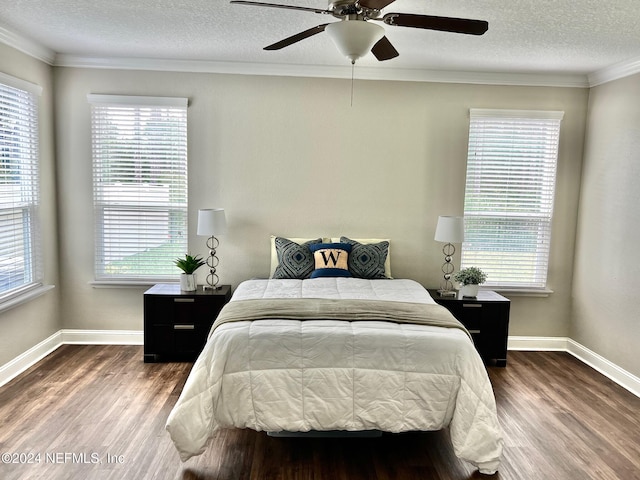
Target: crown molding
x=323 y=71
x=614 y=72
x=48 y=56
x=471 y=77
x=28 y=46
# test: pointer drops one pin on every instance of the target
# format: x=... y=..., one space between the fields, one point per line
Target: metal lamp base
x=447 y=293
x=212 y=263
x=446 y=287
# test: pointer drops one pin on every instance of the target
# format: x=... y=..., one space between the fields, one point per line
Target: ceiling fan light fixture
x=354 y=38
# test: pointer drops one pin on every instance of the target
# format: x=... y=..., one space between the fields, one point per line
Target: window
x=20 y=253
x=508 y=206
x=139 y=186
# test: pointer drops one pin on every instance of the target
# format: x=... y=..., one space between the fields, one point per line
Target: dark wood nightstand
x=176 y=323
x=487 y=319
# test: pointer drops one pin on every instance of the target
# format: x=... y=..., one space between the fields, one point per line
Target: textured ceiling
x=542 y=37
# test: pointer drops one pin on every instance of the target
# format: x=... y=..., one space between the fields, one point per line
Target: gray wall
x=605 y=316
x=290 y=156
x=28 y=324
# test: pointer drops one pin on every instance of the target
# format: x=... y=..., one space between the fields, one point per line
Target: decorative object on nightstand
x=212 y=222
x=176 y=323
x=470 y=278
x=449 y=230
x=189 y=264
x=487 y=319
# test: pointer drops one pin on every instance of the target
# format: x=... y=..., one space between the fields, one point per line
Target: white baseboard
x=605 y=367
x=102 y=337
x=15 y=367
x=582 y=353
x=67 y=336
x=538 y=344
x=136 y=337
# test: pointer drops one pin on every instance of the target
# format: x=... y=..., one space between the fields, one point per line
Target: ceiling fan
x=354 y=35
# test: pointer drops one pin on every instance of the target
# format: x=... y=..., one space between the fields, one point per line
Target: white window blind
x=20 y=253
x=508 y=207
x=140 y=186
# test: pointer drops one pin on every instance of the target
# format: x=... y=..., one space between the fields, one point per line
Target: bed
x=339 y=353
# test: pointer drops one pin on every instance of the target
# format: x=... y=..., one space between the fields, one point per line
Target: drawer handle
x=184 y=327
x=184 y=300
x=472 y=305
x=474 y=331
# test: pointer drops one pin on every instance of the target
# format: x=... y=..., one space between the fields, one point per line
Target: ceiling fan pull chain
x=353 y=66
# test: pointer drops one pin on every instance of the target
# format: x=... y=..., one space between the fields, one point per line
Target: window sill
x=522 y=292
x=128 y=283
x=25 y=296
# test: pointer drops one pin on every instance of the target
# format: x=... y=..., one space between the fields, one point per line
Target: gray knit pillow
x=294 y=260
x=367 y=260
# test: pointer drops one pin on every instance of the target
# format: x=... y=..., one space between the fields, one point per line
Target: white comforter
x=285 y=375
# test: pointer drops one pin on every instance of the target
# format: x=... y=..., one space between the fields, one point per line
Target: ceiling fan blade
x=383 y=50
x=445 y=24
x=296 y=38
x=375 y=4
x=277 y=5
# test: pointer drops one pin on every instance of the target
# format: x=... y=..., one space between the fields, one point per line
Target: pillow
x=294 y=260
x=331 y=259
x=274 y=253
x=368 y=260
x=368 y=241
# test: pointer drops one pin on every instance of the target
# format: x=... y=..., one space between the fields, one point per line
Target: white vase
x=470 y=290
x=188 y=282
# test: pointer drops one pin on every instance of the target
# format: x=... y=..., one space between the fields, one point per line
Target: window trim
x=24 y=295
x=21 y=84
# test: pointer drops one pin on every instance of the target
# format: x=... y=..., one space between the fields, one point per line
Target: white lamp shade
x=211 y=222
x=450 y=229
x=354 y=38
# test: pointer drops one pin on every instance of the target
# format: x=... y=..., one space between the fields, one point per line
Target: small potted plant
x=470 y=278
x=189 y=264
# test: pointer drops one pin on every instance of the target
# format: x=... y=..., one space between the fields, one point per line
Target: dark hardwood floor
x=98 y=412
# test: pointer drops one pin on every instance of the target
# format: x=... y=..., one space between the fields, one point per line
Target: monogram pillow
x=294 y=260
x=331 y=259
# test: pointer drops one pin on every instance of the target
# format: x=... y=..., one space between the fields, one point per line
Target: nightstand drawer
x=188 y=310
x=476 y=315
x=189 y=339
x=179 y=340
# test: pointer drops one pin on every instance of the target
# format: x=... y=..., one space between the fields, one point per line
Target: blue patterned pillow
x=331 y=259
x=367 y=260
x=294 y=260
